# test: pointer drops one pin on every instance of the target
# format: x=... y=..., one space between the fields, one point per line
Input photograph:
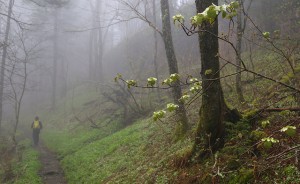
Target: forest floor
x=51 y=171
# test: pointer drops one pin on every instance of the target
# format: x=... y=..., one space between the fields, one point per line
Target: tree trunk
x=100 y=43
x=91 y=53
x=240 y=32
x=210 y=130
x=3 y=60
x=64 y=77
x=55 y=58
x=19 y=101
x=155 y=47
x=173 y=68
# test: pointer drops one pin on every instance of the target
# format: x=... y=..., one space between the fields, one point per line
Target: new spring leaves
x=210 y=14
x=268 y=142
x=173 y=79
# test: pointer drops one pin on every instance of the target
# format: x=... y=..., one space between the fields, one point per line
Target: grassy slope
x=26 y=170
x=145 y=153
x=136 y=154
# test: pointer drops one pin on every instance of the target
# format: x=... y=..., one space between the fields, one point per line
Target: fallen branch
x=280 y=109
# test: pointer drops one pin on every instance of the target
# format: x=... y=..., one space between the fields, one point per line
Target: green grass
x=26 y=170
x=138 y=153
x=144 y=152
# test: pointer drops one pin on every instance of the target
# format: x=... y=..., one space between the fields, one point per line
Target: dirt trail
x=51 y=171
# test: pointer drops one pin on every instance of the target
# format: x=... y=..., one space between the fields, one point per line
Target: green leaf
x=266 y=35
x=131 y=83
x=208 y=72
x=175 y=76
x=158 y=115
x=193 y=80
x=167 y=82
x=212 y=13
x=119 y=76
x=198 y=19
x=234 y=5
x=172 y=107
x=179 y=18
x=184 y=98
x=289 y=130
x=196 y=87
x=264 y=124
x=269 y=141
x=151 y=81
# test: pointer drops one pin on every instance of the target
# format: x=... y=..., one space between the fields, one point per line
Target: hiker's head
x=36 y=118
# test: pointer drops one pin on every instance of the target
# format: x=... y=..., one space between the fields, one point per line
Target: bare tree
x=96 y=42
x=241 y=26
x=3 y=60
x=18 y=75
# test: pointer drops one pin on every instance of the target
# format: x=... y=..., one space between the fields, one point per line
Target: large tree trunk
x=173 y=68
x=210 y=130
x=3 y=60
x=240 y=32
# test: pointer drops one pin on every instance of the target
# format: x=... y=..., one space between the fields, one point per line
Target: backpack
x=36 y=125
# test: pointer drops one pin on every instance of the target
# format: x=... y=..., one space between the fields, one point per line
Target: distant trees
x=166 y=35
x=18 y=74
x=57 y=5
x=96 y=43
x=4 y=57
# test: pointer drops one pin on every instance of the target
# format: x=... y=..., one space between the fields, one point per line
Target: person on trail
x=36 y=127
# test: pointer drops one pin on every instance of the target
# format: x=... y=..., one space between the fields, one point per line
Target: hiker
x=36 y=127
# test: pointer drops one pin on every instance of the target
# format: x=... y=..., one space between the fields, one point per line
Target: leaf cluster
x=228 y=11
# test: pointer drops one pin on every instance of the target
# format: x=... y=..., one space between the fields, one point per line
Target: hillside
x=109 y=106
x=145 y=151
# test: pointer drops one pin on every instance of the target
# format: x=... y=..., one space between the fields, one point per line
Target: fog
x=64 y=44
x=114 y=91
x=61 y=38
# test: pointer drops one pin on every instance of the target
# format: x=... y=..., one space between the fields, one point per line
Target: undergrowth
x=27 y=167
x=145 y=152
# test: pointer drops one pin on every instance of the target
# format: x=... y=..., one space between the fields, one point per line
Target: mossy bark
x=210 y=130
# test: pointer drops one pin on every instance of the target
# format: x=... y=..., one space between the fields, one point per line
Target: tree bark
x=173 y=68
x=210 y=130
x=3 y=60
x=240 y=32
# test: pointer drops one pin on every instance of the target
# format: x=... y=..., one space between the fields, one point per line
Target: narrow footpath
x=51 y=171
